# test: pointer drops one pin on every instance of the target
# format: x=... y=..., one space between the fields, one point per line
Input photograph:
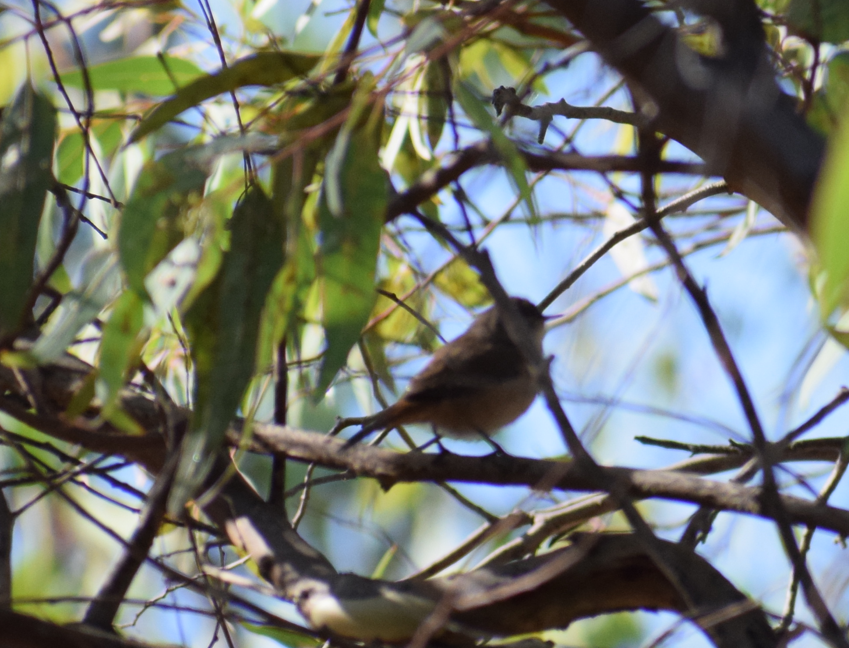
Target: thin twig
x=764 y=452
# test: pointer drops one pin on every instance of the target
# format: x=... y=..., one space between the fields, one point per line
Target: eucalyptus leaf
x=155 y=217
x=143 y=74
x=261 y=69
x=350 y=233
x=223 y=326
x=515 y=163
x=27 y=134
x=120 y=346
x=97 y=284
x=829 y=225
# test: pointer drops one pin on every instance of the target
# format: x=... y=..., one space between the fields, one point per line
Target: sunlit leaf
x=400 y=325
x=154 y=219
x=436 y=98
x=69 y=154
x=375 y=9
x=743 y=228
x=832 y=98
x=143 y=74
x=262 y=69
x=27 y=134
x=98 y=283
x=515 y=163
x=351 y=214
x=463 y=284
x=514 y=60
x=223 y=326
x=829 y=226
x=120 y=346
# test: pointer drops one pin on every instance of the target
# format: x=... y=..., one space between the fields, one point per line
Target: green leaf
x=69 y=154
x=515 y=163
x=143 y=74
x=27 y=133
x=831 y=100
x=830 y=225
x=153 y=220
x=823 y=20
x=400 y=326
x=223 y=326
x=375 y=9
x=463 y=284
x=351 y=213
x=123 y=337
x=98 y=284
x=290 y=287
x=263 y=69
x=437 y=97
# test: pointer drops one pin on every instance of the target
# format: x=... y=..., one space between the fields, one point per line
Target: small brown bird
x=472 y=386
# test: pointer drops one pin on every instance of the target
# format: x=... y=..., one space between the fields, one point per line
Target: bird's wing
x=453 y=372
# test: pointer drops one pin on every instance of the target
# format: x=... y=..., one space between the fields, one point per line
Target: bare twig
x=506 y=99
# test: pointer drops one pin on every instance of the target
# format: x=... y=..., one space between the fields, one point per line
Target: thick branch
x=390 y=467
x=729 y=111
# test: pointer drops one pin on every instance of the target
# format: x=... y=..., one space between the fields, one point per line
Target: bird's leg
x=437 y=439
x=496 y=449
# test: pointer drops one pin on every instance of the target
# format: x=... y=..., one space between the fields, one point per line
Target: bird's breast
x=481 y=411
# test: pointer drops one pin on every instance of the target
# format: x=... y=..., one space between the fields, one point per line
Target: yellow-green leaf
x=262 y=69
x=510 y=155
x=123 y=337
x=351 y=214
x=830 y=224
x=143 y=74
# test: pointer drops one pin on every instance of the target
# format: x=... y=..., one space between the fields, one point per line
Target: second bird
x=473 y=385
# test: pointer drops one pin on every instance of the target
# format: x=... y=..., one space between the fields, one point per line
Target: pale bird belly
x=466 y=418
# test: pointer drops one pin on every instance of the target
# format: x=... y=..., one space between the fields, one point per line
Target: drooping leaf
x=298 y=273
x=262 y=69
x=830 y=227
x=375 y=9
x=351 y=213
x=743 y=228
x=153 y=222
x=513 y=161
x=143 y=74
x=120 y=345
x=27 y=134
x=98 y=283
x=437 y=97
x=223 y=326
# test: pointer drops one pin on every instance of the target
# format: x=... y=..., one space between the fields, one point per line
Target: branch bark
x=729 y=110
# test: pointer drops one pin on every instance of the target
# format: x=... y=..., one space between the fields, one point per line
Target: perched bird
x=472 y=386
